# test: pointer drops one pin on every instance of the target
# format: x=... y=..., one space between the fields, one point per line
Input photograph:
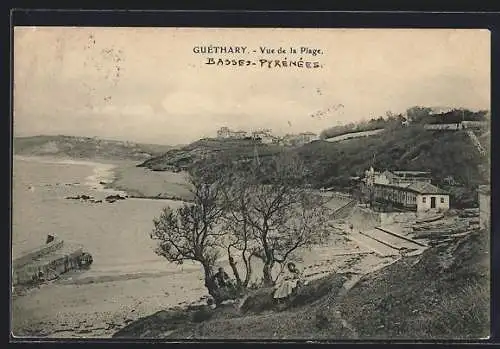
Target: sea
x=116 y=234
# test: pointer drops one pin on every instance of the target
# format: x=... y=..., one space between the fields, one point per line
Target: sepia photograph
x=182 y=183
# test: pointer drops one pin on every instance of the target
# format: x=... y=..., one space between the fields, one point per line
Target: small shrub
x=202 y=314
x=260 y=300
x=318 y=289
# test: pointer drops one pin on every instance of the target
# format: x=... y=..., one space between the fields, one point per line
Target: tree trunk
x=232 y=263
x=268 y=279
x=210 y=283
x=269 y=258
x=248 y=267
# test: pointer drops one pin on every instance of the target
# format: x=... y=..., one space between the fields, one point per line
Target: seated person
x=222 y=279
x=292 y=280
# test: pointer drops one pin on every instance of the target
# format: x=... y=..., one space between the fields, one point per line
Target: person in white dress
x=292 y=280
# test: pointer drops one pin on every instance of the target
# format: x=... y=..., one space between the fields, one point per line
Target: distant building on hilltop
x=265 y=136
x=411 y=190
x=223 y=132
x=226 y=133
x=239 y=134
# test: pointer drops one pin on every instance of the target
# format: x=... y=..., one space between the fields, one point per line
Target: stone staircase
x=476 y=142
x=345 y=210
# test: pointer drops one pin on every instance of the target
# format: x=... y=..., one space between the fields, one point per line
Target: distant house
x=265 y=136
x=226 y=133
x=239 y=134
x=405 y=189
x=396 y=177
x=407 y=177
x=223 y=132
x=416 y=196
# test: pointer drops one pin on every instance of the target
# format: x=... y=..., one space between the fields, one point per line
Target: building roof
x=417 y=187
x=388 y=174
x=412 y=173
x=425 y=188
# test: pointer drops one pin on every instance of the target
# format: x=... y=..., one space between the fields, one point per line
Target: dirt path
x=346 y=287
x=343 y=292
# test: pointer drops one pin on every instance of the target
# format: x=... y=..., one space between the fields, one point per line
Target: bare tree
x=279 y=213
x=189 y=232
x=241 y=235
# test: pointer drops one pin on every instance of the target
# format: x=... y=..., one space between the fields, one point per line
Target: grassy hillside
x=445 y=153
x=444 y=293
x=441 y=294
x=331 y=164
x=411 y=148
x=197 y=151
x=85 y=148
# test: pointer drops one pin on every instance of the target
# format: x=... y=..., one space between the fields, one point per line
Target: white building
x=265 y=136
x=405 y=189
x=417 y=196
x=225 y=133
x=239 y=134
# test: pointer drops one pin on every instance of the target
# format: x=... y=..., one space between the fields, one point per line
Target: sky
x=147 y=84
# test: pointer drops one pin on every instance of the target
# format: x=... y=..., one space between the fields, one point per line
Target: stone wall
x=37 y=253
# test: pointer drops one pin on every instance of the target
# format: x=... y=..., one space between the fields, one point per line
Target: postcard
x=251 y=183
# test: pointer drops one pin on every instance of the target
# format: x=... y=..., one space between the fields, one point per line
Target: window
x=424 y=199
x=442 y=200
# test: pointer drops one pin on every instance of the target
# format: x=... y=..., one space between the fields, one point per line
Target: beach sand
x=141 y=182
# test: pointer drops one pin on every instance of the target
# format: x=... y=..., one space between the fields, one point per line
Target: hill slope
x=444 y=153
x=226 y=148
x=413 y=148
x=85 y=148
x=441 y=294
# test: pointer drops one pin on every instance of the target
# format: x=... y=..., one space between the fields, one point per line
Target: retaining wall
x=37 y=253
